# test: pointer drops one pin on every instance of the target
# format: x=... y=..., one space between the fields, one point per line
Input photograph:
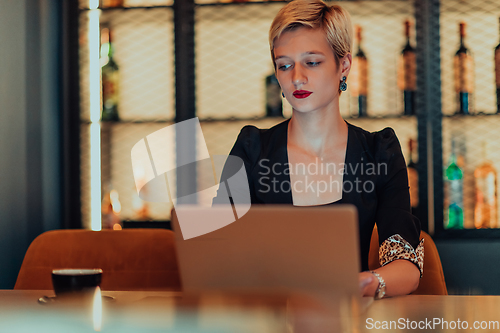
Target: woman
x=316 y=158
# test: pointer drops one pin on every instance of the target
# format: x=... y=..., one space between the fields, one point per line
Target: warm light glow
x=140 y=180
x=97 y=310
x=95 y=115
x=115 y=202
x=113 y=195
x=139 y=172
x=117 y=226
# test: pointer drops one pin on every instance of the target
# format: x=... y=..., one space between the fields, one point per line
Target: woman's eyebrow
x=313 y=52
x=303 y=54
x=280 y=57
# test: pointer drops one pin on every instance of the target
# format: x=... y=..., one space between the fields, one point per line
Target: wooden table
x=141 y=312
x=174 y=312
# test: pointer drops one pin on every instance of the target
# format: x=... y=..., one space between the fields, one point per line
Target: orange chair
x=131 y=259
x=432 y=281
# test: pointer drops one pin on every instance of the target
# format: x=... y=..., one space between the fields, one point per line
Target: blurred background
x=83 y=81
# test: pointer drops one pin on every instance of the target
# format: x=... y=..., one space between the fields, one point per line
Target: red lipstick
x=301 y=93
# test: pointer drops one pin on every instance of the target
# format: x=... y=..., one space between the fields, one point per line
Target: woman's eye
x=284 y=67
x=313 y=63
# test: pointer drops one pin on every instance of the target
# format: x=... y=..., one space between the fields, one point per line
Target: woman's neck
x=317 y=132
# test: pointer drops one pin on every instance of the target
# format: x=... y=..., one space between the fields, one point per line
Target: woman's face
x=307 y=71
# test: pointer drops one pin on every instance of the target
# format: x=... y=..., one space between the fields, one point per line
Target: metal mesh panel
x=232 y=59
x=469 y=132
x=481 y=18
x=382 y=41
x=143 y=44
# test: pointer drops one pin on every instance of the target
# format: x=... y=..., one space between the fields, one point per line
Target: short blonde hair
x=334 y=20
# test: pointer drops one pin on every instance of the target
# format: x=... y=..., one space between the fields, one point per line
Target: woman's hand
x=401 y=278
x=368 y=284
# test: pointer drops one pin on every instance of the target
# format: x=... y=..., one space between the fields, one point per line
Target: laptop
x=271 y=249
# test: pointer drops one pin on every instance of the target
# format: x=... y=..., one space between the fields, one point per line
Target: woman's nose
x=298 y=76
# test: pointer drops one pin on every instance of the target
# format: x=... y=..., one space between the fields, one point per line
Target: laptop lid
x=271 y=248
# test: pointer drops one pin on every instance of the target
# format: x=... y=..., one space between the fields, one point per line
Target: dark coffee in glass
x=75 y=281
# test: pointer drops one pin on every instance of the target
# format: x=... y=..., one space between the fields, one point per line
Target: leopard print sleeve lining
x=396 y=247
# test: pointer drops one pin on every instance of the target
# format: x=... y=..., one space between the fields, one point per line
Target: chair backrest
x=432 y=281
x=131 y=259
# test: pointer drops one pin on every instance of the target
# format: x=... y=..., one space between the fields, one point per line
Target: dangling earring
x=283 y=94
x=343 y=84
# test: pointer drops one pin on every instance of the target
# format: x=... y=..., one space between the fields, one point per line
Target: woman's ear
x=345 y=64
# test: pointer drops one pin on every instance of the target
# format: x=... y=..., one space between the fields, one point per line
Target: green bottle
x=454 y=176
x=110 y=79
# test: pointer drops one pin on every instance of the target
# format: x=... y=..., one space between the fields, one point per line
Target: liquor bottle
x=359 y=77
x=464 y=75
x=407 y=78
x=413 y=177
x=454 y=176
x=110 y=78
x=274 y=104
x=497 y=74
x=486 y=208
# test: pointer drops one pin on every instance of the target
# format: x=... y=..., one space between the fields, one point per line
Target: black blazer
x=375 y=179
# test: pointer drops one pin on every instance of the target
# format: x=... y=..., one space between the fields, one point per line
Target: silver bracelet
x=380 y=293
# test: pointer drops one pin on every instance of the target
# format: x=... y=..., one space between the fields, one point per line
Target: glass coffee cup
x=76 y=281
